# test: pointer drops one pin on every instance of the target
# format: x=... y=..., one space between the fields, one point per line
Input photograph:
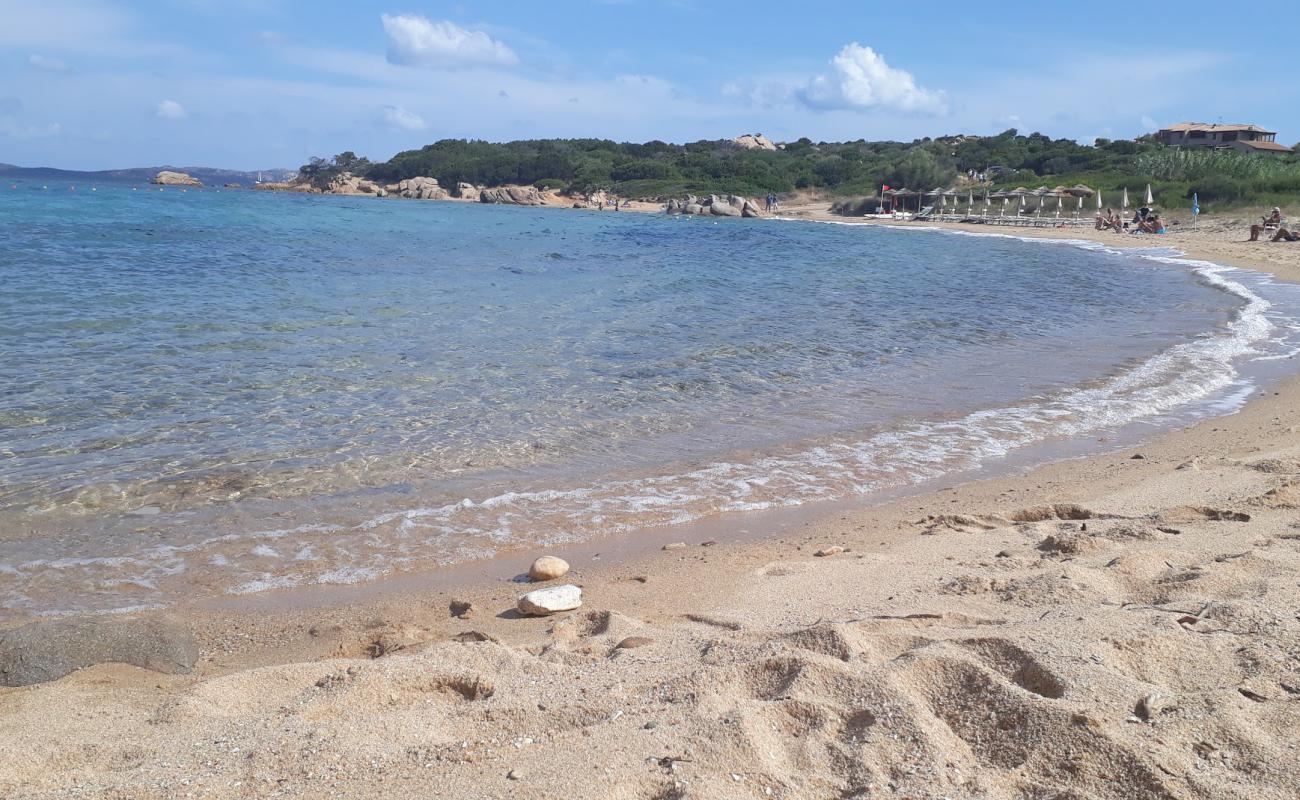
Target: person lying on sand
x=1283 y=235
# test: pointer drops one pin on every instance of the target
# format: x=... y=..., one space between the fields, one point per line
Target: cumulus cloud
x=170 y=109
x=862 y=79
x=46 y=63
x=417 y=41
x=400 y=118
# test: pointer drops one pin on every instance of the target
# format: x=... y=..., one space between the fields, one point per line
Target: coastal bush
x=858 y=168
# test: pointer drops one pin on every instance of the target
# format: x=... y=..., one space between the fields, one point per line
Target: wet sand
x=1107 y=627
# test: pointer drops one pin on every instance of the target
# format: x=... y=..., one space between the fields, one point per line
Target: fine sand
x=1112 y=627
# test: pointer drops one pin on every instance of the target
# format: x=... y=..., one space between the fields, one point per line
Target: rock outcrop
x=48 y=650
x=466 y=191
x=168 y=178
x=422 y=189
x=347 y=183
x=754 y=141
x=233 y=186
x=294 y=186
x=516 y=195
x=729 y=206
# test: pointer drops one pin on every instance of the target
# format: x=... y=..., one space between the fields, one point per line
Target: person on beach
x=1274 y=218
x=1150 y=224
x=1110 y=221
x=1283 y=235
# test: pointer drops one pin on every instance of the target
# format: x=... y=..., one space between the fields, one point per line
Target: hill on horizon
x=211 y=176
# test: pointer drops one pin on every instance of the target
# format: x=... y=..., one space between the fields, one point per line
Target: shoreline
x=791 y=631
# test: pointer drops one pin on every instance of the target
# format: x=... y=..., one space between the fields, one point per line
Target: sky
x=257 y=84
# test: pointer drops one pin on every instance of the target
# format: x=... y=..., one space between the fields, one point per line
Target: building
x=1244 y=138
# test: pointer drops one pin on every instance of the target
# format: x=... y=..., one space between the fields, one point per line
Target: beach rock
x=749 y=210
x=542 y=602
x=720 y=207
x=167 y=177
x=465 y=191
x=548 y=568
x=693 y=208
x=675 y=546
x=48 y=650
x=233 y=186
x=347 y=183
x=512 y=195
x=833 y=550
x=421 y=189
x=460 y=608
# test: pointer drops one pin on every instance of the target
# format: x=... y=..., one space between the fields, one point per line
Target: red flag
x=886 y=187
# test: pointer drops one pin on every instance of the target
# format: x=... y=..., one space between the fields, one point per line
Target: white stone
x=541 y=602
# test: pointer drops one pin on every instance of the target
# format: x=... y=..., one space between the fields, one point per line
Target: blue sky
x=91 y=84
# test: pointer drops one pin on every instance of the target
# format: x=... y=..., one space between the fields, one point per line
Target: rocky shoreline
x=427 y=188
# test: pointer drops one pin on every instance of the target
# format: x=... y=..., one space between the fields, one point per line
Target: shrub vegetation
x=840 y=169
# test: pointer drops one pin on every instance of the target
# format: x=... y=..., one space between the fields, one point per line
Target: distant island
x=207 y=175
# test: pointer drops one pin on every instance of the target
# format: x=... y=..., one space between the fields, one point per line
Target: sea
x=213 y=393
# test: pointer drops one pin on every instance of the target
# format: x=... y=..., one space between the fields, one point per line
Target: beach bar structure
x=898 y=199
x=1218 y=136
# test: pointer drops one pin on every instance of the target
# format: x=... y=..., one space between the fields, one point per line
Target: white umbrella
x=1124 y=204
x=1059 y=202
x=1098 y=200
x=1150 y=200
x=970 y=203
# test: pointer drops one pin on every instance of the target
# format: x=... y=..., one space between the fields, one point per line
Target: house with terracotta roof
x=1244 y=138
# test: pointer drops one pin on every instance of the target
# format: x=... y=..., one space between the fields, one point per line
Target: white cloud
x=862 y=80
x=416 y=41
x=170 y=109
x=47 y=64
x=401 y=119
x=13 y=129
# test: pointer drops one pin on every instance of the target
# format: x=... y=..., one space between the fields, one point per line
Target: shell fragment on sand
x=541 y=602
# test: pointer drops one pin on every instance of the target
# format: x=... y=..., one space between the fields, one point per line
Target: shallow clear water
x=230 y=391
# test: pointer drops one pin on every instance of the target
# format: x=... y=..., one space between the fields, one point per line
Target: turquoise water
x=232 y=391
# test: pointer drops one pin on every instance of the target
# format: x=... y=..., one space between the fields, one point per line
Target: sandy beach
x=1121 y=626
